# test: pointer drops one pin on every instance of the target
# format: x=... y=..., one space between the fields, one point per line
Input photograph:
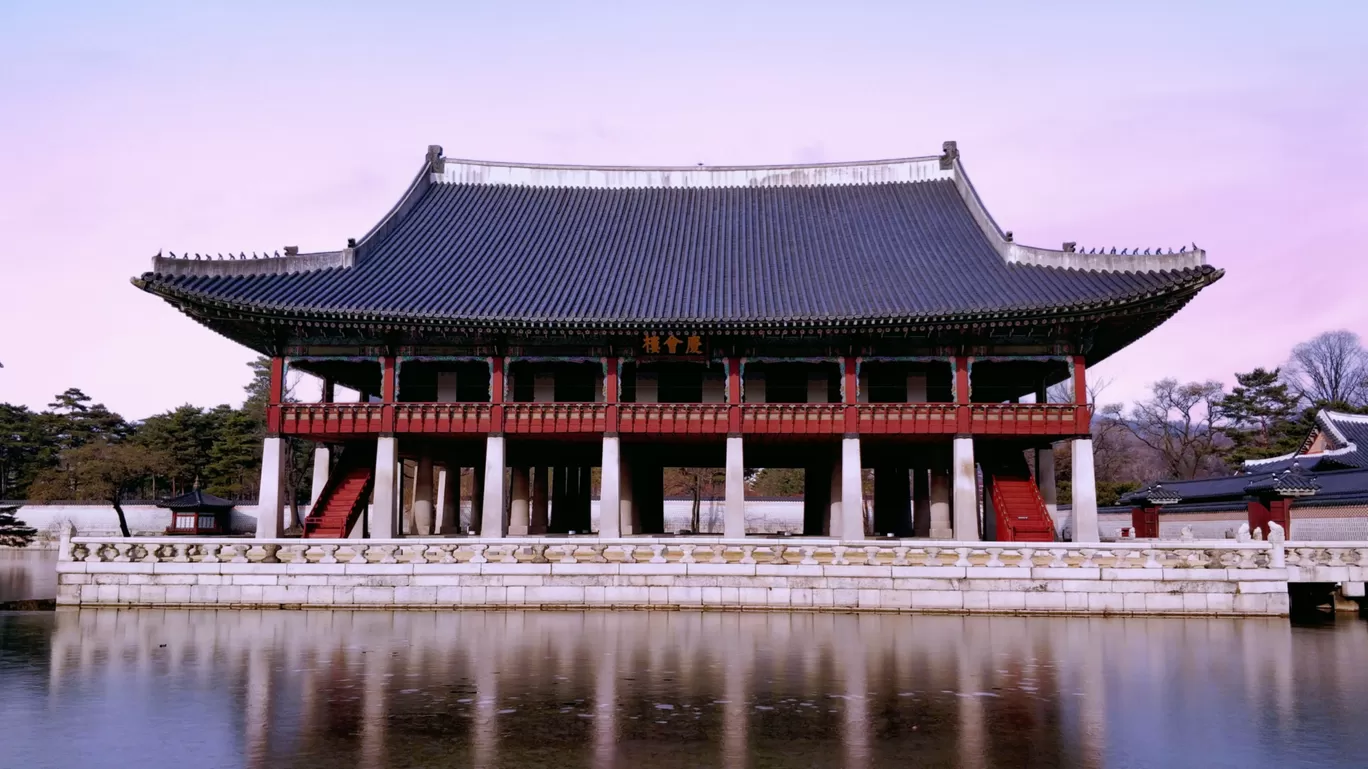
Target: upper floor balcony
x=843 y=396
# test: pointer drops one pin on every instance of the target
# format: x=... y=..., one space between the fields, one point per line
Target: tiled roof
x=1346 y=441
x=750 y=250
x=197 y=499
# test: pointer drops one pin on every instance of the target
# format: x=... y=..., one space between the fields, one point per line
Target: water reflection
x=669 y=689
x=27 y=575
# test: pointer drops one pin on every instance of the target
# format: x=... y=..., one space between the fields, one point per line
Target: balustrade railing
x=342 y=419
x=858 y=556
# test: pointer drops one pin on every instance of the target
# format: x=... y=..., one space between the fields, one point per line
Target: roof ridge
x=243 y=265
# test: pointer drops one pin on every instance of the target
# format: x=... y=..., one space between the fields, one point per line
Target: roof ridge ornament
x=435 y=159
x=949 y=155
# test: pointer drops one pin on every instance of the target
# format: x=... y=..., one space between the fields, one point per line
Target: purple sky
x=1242 y=126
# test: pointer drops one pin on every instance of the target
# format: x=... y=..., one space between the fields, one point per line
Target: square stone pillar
x=520 y=502
x=610 y=490
x=833 y=520
x=271 y=500
x=540 y=502
x=966 y=490
x=1045 y=479
x=449 y=500
x=852 y=491
x=320 y=474
x=630 y=516
x=734 y=520
x=941 y=527
x=385 y=507
x=1084 y=517
x=423 y=508
x=493 y=524
x=921 y=502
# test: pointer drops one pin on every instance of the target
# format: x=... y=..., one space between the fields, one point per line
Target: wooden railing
x=324 y=420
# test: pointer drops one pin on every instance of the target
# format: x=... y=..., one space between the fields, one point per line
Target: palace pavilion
x=566 y=330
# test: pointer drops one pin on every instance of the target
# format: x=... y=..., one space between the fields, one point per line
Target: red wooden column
x=734 y=395
x=960 y=365
x=1083 y=420
x=275 y=395
x=496 y=394
x=610 y=394
x=389 y=390
x=851 y=373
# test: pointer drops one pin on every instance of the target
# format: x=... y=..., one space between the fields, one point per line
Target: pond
x=675 y=689
x=27 y=575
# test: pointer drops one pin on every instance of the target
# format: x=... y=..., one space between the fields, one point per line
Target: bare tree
x=1331 y=368
x=1182 y=424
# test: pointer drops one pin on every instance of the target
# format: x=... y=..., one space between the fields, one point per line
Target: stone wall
x=99 y=519
x=1202 y=578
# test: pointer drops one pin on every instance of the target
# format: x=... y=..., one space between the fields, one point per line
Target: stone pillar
x=449 y=500
x=816 y=498
x=520 y=503
x=477 y=484
x=423 y=509
x=966 y=490
x=629 y=513
x=941 y=527
x=921 y=502
x=852 y=490
x=1045 y=479
x=320 y=473
x=1084 y=516
x=833 y=521
x=584 y=522
x=271 y=500
x=492 y=520
x=384 y=509
x=540 y=507
x=610 y=490
x=734 y=520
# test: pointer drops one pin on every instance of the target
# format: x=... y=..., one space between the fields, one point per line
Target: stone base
x=973 y=589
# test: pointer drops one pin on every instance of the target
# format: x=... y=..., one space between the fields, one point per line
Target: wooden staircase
x=344 y=497
x=1019 y=511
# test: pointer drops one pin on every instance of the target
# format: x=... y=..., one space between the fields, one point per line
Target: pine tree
x=14 y=532
x=1262 y=415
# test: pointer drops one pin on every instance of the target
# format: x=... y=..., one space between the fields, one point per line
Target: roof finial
x=1070 y=246
x=1008 y=236
x=436 y=163
x=949 y=154
x=292 y=250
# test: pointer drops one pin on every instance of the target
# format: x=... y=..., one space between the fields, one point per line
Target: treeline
x=79 y=450
x=1185 y=430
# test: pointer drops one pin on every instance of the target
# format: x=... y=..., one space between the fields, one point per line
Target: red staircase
x=344 y=497
x=1019 y=511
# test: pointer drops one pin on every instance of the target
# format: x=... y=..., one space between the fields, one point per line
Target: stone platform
x=1142 y=578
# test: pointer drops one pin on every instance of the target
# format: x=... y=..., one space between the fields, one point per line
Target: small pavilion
x=198 y=512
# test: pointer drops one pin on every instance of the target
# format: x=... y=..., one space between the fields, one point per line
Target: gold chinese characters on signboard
x=655 y=344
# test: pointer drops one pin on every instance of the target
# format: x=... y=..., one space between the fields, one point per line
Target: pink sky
x=1241 y=127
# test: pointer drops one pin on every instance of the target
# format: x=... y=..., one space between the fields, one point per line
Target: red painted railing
x=793 y=418
x=443 y=418
x=674 y=418
x=324 y=420
x=555 y=417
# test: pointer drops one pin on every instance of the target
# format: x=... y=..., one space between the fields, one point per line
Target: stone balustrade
x=1190 y=577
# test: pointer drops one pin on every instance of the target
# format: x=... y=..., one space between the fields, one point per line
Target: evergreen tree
x=23 y=452
x=14 y=532
x=1262 y=416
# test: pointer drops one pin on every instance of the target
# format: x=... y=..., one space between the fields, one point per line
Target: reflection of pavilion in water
x=629 y=689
